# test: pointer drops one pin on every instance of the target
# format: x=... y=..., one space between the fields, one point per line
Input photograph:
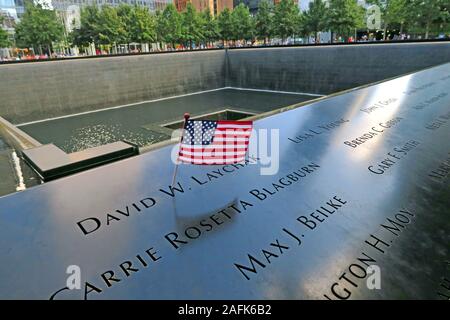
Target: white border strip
x=162 y=99
x=248 y=113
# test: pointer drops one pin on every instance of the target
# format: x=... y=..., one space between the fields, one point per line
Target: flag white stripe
x=233 y=132
x=234 y=126
x=229 y=139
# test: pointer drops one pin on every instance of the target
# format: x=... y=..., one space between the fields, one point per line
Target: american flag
x=215 y=142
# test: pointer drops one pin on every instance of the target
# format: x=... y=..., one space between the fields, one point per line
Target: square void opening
x=227 y=114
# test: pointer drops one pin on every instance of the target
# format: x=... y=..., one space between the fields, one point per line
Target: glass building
x=8 y=7
x=20 y=7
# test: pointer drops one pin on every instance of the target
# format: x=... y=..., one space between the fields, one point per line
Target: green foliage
x=315 y=19
x=124 y=24
x=4 y=39
x=344 y=16
x=38 y=27
x=396 y=11
x=88 y=31
x=225 y=23
x=126 y=15
x=169 y=25
x=191 y=28
x=285 y=19
x=429 y=16
x=392 y=11
x=209 y=26
x=142 y=26
x=243 y=25
x=418 y=16
x=264 y=20
x=111 y=28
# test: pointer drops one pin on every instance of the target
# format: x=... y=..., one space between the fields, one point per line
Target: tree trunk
x=317 y=37
x=385 y=31
x=401 y=28
x=427 y=30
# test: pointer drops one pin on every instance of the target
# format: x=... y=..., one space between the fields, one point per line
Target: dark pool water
x=140 y=123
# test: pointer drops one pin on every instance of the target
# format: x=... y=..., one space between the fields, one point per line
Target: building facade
x=220 y=5
x=215 y=6
x=8 y=8
x=20 y=7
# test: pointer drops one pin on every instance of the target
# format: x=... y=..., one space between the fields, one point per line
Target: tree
x=142 y=25
x=345 y=16
x=429 y=14
x=88 y=31
x=243 y=25
x=111 y=28
x=125 y=15
x=4 y=39
x=169 y=25
x=225 y=24
x=315 y=19
x=209 y=26
x=397 y=12
x=264 y=20
x=392 y=12
x=39 y=28
x=191 y=30
x=285 y=19
x=159 y=27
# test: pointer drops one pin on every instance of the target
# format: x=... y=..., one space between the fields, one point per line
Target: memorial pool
x=143 y=123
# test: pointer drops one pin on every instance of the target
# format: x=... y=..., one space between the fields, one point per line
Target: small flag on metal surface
x=214 y=142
